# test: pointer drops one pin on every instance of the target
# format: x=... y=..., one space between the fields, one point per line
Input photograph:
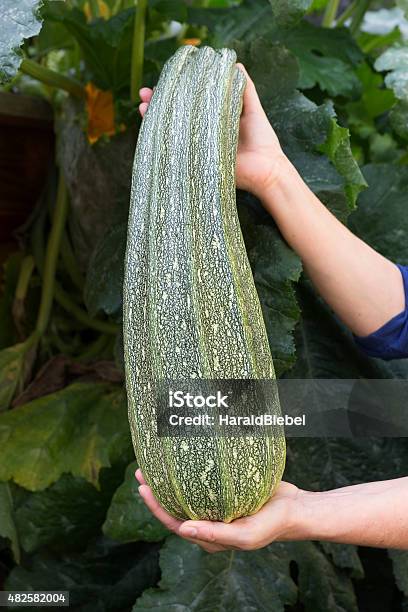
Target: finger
x=143 y=108
x=251 y=101
x=139 y=476
x=232 y=535
x=207 y=546
x=145 y=94
x=210 y=548
x=160 y=513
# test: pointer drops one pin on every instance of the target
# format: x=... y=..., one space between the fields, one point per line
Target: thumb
x=251 y=101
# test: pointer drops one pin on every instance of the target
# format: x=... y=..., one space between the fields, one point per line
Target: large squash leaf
x=301 y=125
x=128 y=519
x=104 y=197
x=400 y=564
x=381 y=218
x=320 y=149
x=327 y=57
x=288 y=12
x=78 y=430
x=11 y=370
x=104 y=282
x=321 y=586
x=259 y=580
x=7 y=524
x=65 y=515
x=18 y=21
x=250 y=18
x=322 y=342
x=337 y=148
x=10 y=272
x=194 y=580
x=105 y=44
x=275 y=268
x=106 y=577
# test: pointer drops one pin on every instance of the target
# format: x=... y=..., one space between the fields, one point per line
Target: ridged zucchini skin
x=190 y=305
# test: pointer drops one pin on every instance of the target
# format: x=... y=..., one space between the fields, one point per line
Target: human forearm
x=372 y=514
x=362 y=286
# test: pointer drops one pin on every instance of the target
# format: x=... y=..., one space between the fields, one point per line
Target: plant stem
x=70 y=262
x=59 y=294
x=83 y=317
x=117 y=7
x=138 y=50
x=52 y=78
x=26 y=270
x=371 y=44
x=358 y=15
x=95 y=349
x=330 y=13
x=347 y=13
x=51 y=256
x=94 y=8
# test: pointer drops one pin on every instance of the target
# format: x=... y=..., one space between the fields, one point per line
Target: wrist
x=306 y=520
x=277 y=172
x=331 y=516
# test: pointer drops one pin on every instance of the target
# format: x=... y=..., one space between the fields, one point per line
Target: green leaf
x=301 y=125
x=249 y=19
x=170 y=9
x=275 y=268
x=12 y=361
x=194 y=580
x=345 y=556
x=364 y=114
x=77 y=430
x=318 y=5
x=289 y=12
x=18 y=21
x=303 y=129
x=327 y=58
x=105 y=44
x=375 y=100
x=128 y=519
x=321 y=585
x=400 y=565
x=322 y=342
x=104 y=197
x=256 y=580
x=10 y=273
x=53 y=36
x=7 y=522
x=103 y=289
x=106 y=577
x=337 y=148
x=159 y=50
x=381 y=218
x=399 y=118
x=64 y=516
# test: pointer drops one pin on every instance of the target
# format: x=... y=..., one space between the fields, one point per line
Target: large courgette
x=191 y=310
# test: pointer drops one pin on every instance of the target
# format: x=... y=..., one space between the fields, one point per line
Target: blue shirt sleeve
x=391 y=340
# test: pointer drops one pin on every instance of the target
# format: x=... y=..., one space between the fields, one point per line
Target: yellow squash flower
x=101 y=113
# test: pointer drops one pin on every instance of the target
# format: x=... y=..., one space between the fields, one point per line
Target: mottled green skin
x=190 y=305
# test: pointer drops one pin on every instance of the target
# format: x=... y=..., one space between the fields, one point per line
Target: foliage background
x=70 y=514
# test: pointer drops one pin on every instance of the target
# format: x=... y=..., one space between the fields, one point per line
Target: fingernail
x=139 y=489
x=190 y=532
